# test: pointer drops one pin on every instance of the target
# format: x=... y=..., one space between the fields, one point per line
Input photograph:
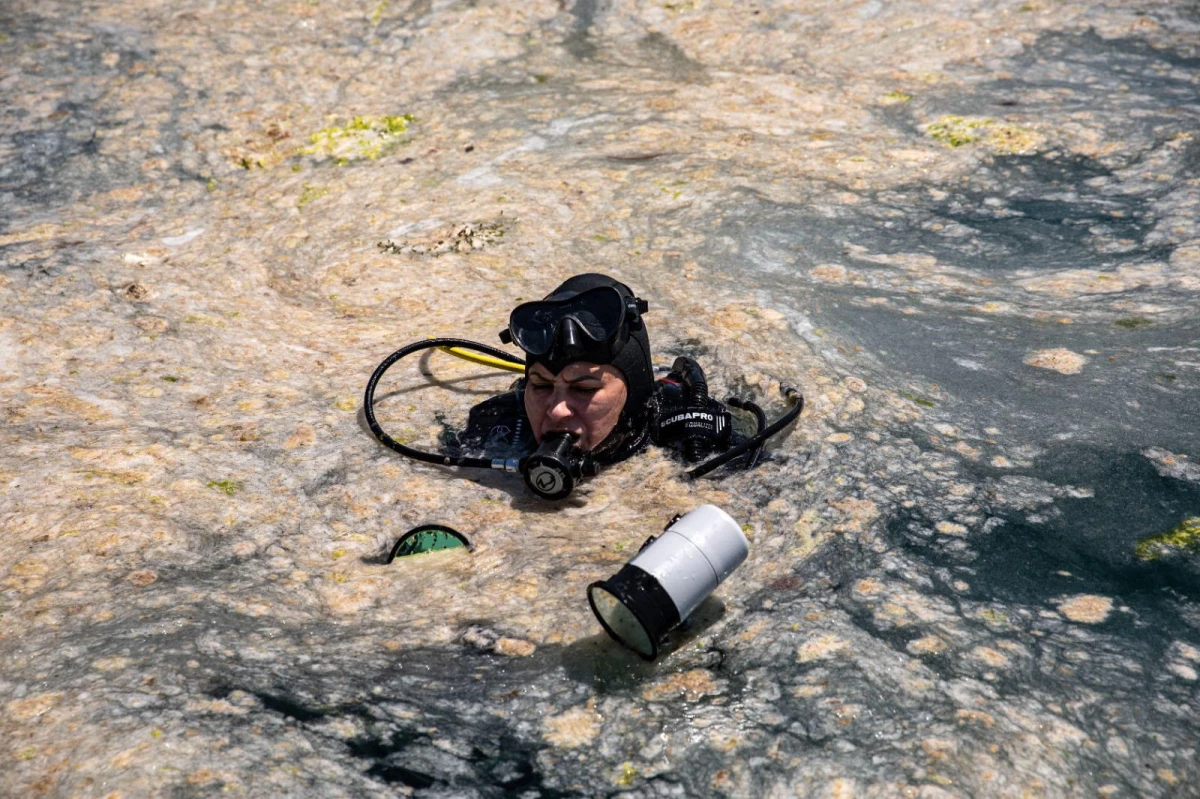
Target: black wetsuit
x=499 y=428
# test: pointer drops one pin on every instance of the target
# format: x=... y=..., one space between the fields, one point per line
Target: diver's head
x=585 y=399
x=587 y=359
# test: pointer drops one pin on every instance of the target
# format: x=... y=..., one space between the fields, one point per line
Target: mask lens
x=598 y=312
x=428 y=538
x=620 y=621
x=532 y=327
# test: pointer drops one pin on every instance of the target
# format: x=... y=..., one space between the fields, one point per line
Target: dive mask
x=592 y=325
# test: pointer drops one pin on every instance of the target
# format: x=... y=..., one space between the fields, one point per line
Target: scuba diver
x=588 y=397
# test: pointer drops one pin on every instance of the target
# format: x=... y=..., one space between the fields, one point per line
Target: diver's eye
x=539 y=388
x=587 y=390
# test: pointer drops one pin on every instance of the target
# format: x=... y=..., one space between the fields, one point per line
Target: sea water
x=967 y=231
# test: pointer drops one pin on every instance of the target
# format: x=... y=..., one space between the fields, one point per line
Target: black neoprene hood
x=633 y=359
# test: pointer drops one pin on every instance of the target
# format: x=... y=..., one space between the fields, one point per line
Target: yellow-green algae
x=1183 y=538
x=955 y=131
x=993 y=617
x=309 y=194
x=361 y=138
x=229 y=487
x=377 y=14
x=924 y=403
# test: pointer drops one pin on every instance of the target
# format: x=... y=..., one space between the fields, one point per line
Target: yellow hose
x=486 y=360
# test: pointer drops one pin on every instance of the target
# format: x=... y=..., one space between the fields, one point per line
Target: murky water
x=967 y=230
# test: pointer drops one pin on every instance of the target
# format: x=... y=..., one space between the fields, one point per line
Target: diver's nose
x=560 y=409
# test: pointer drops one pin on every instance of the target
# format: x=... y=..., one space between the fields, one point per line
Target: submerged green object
x=428 y=538
x=1183 y=538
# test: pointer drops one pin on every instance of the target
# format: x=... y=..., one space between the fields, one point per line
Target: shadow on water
x=1129 y=72
x=1126 y=85
x=503 y=765
x=579 y=42
x=436 y=749
x=1015 y=217
x=1134 y=388
x=1047 y=210
x=1051 y=210
x=607 y=667
x=1014 y=211
x=1079 y=545
x=451 y=719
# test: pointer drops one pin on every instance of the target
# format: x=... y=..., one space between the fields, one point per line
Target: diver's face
x=584 y=399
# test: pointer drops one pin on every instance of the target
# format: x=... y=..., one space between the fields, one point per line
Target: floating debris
x=1086 y=608
x=1058 y=360
x=461 y=239
x=1170 y=464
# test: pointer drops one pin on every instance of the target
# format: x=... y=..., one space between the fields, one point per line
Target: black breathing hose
x=748 y=405
x=393 y=444
x=695 y=387
x=791 y=393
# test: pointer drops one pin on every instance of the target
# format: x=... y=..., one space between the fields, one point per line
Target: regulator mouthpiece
x=668 y=579
x=553 y=469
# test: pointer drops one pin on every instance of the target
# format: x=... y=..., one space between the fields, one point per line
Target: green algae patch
x=993 y=618
x=896 y=97
x=956 y=131
x=1133 y=322
x=360 y=139
x=1184 y=538
x=123 y=478
x=377 y=14
x=924 y=403
x=309 y=194
x=229 y=487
